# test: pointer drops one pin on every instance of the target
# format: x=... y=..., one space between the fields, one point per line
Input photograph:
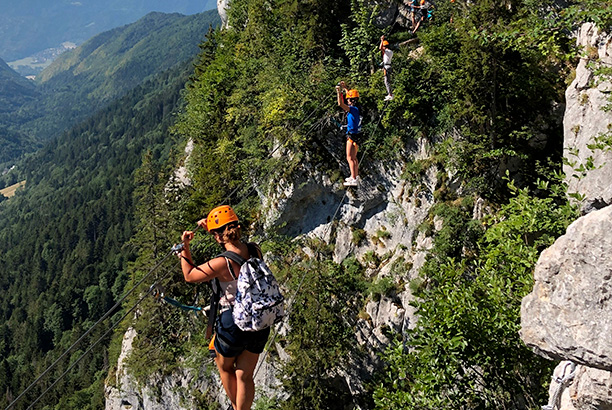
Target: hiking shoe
x=389 y=97
x=351 y=182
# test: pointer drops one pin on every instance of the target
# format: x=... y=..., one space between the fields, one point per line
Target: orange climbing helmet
x=352 y=94
x=220 y=216
x=385 y=43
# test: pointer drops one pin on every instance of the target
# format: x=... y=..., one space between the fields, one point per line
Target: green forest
x=78 y=208
x=66 y=240
x=87 y=79
x=480 y=81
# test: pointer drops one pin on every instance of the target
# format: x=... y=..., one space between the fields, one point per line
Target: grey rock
x=567 y=316
x=585 y=120
x=569 y=311
x=160 y=392
x=592 y=389
x=222 y=6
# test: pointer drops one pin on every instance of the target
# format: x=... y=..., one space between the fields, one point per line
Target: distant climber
x=236 y=351
x=387 y=55
x=425 y=13
x=414 y=9
x=430 y=10
x=353 y=129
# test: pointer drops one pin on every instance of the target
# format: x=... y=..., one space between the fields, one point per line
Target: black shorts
x=230 y=341
x=356 y=138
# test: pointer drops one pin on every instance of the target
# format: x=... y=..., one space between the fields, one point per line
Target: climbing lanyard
x=215 y=288
x=158 y=293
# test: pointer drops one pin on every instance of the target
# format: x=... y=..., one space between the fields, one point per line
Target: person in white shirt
x=387 y=55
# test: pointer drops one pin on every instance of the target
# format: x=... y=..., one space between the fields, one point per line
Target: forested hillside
x=65 y=241
x=15 y=91
x=88 y=78
x=481 y=86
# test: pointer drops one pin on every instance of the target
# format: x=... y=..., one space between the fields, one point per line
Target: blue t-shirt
x=353 y=121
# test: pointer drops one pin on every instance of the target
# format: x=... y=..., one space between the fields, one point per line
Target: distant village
x=30 y=67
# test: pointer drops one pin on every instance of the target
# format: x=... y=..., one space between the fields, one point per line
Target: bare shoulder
x=216 y=267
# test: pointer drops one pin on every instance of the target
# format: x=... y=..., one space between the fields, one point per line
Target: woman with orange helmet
x=353 y=129
x=237 y=351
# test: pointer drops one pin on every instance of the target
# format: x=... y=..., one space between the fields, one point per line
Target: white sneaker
x=389 y=97
x=351 y=181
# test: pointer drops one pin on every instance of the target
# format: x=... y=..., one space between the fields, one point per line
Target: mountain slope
x=445 y=219
x=152 y=44
x=15 y=91
x=31 y=26
x=105 y=68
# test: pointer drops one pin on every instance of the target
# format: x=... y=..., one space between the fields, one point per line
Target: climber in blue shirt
x=353 y=129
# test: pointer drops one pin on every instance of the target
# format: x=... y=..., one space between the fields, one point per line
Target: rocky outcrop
x=585 y=120
x=568 y=315
x=379 y=218
x=570 y=307
x=180 y=389
x=379 y=221
x=161 y=392
x=393 y=13
x=222 y=6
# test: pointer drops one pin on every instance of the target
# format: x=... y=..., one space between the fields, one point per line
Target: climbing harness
x=158 y=293
x=563 y=381
x=213 y=307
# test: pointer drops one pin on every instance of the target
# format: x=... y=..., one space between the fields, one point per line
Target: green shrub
x=465 y=351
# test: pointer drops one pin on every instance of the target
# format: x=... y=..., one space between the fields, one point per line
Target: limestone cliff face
x=312 y=205
x=174 y=391
x=568 y=315
x=586 y=119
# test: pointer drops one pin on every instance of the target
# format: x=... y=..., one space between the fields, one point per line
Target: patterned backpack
x=259 y=302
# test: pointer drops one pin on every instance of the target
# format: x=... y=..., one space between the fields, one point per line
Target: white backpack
x=259 y=301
